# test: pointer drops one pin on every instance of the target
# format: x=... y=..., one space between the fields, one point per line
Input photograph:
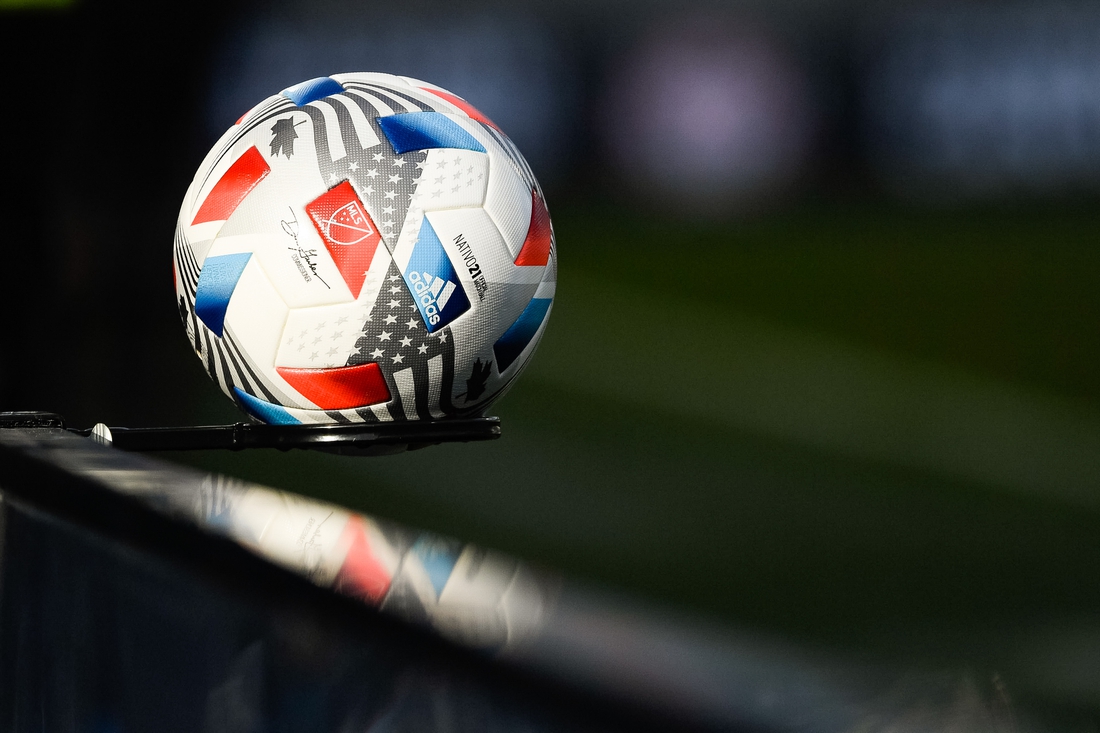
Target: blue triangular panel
x=438 y=556
x=509 y=346
x=312 y=90
x=270 y=413
x=426 y=130
x=217 y=280
x=433 y=282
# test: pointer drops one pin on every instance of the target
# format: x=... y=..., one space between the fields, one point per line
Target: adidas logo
x=433 y=293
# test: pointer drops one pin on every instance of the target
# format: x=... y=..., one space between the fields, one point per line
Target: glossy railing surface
x=138 y=595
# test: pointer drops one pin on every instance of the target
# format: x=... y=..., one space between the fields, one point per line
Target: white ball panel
x=549 y=284
x=452 y=179
x=200 y=245
x=474 y=338
x=371 y=77
x=507 y=197
x=419 y=84
x=322 y=337
x=256 y=315
x=486 y=243
x=277 y=261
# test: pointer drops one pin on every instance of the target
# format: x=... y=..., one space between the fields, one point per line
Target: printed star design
x=441 y=164
x=337 y=335
x=316 y=340
x=458 y=161
x=441 y=179
x=457 y=175
x=387 y=210
x=341 y=320
x=303 y=333
x=319 y=327
x=442 y=337
x=313 y=356
x=380 y=163
x=301 y=346
x=436 y=194
x=332 y=351
x=408 y=355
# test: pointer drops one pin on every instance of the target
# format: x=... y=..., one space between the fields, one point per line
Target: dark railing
x=138 y=595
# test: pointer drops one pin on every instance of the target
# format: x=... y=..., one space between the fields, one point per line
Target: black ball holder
x=359 y=439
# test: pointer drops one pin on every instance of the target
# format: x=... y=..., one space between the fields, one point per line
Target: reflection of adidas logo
x=433 y=292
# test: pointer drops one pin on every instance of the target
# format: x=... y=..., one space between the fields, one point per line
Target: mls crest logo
x=340 y=217
x=348 y=232
x=348 y=225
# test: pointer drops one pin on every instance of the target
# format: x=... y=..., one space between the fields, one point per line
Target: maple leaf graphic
x=283 y=136
x=475 y=385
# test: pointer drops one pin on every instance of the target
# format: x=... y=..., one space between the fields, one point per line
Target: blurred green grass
x=849 y=426
x=1013 y=292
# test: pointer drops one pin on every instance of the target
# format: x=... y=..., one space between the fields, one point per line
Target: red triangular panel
x=230 y=190
x=536 y=247
x=361 y=574
x=339 y=388
x=348 y=231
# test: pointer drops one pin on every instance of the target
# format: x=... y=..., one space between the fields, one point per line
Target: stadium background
x=825 y=357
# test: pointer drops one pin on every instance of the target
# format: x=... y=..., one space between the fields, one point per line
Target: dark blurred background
x=825 y=357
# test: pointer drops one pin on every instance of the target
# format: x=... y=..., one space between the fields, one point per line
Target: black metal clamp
x=345 y=439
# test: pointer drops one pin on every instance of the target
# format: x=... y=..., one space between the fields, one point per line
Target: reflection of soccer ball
x=364 y=247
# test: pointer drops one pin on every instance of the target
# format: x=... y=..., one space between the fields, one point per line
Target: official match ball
x=364 y=248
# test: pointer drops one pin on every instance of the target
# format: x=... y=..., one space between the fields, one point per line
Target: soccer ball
x=364 y=248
